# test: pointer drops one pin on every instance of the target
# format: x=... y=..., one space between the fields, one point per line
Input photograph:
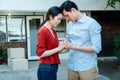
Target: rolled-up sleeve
x=95 y=36
x=40 y=47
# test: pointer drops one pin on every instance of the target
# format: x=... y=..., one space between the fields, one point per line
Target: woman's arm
x=53 y=51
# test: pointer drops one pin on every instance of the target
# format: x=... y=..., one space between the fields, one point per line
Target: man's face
x=69 y=15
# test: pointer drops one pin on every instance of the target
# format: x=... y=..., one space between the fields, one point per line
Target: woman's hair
x=67 y=5
x=53 y=11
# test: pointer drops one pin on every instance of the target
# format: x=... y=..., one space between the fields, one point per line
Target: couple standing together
x=83 y=43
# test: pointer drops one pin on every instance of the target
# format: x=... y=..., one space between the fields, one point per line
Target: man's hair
x=67 y=5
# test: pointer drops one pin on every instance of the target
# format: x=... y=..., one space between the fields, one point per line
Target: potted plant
x=3 y=55
x=117 y=48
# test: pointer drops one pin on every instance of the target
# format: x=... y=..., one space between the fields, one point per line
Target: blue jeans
x=47 y=72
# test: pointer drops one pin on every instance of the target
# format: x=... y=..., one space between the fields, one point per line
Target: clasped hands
x=64 y=45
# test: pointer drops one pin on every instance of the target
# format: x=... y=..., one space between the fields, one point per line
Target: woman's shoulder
x=42 y=29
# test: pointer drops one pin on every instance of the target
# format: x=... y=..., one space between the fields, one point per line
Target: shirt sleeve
x=95 y=36
x=41 y=43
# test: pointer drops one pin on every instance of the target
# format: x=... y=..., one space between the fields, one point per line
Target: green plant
x=117 y=46
x=3 y=55
x=112 y=3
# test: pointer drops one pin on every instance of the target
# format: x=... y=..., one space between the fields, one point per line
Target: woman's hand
x=67 y=44
x=61 y=45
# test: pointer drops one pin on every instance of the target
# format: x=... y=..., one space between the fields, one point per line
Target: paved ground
x=106 y=67
x=107 y=72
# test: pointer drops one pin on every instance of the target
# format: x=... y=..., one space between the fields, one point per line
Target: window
x=16 y=28
x=2 y=29
x=12 y=28
x=61 y=29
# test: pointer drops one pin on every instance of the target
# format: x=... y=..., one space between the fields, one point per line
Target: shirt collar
x=82 y=18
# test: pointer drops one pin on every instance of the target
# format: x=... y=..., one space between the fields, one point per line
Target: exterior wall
x=109 y=30
x=110 y=22
x=93 y=5
x=39 y=7
x=5 y=45
x=43 y=5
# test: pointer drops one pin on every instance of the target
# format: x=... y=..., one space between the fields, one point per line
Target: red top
x=46 y=41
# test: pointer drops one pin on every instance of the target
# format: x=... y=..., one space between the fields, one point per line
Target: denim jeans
x=47 y=72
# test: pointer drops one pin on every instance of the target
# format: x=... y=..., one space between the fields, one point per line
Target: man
x=84 y=35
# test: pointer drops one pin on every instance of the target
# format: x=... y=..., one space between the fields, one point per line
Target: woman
x=48 y=46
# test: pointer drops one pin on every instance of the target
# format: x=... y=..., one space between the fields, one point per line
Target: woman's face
x=56 y=20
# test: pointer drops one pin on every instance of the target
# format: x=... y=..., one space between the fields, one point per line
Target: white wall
x=28 y=5
x=43 y=5
x=94 y=5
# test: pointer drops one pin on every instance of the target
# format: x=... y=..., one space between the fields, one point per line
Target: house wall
x=43 y=5
x=110 y=22
x=39 y=7
x=5 y=45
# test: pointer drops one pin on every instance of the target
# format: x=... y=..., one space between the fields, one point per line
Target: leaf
x=112 y=3
x=117 y=46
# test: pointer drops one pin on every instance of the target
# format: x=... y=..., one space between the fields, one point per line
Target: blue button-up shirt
x=85 y=32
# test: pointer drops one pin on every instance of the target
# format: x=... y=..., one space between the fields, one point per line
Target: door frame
x=30 y=57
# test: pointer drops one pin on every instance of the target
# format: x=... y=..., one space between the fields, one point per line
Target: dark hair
x=67 y=5
x=53 y=11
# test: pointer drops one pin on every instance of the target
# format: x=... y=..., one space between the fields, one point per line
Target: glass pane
x=34 y=25
x=16 y=28
x=61 y=29
x=2 y=29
